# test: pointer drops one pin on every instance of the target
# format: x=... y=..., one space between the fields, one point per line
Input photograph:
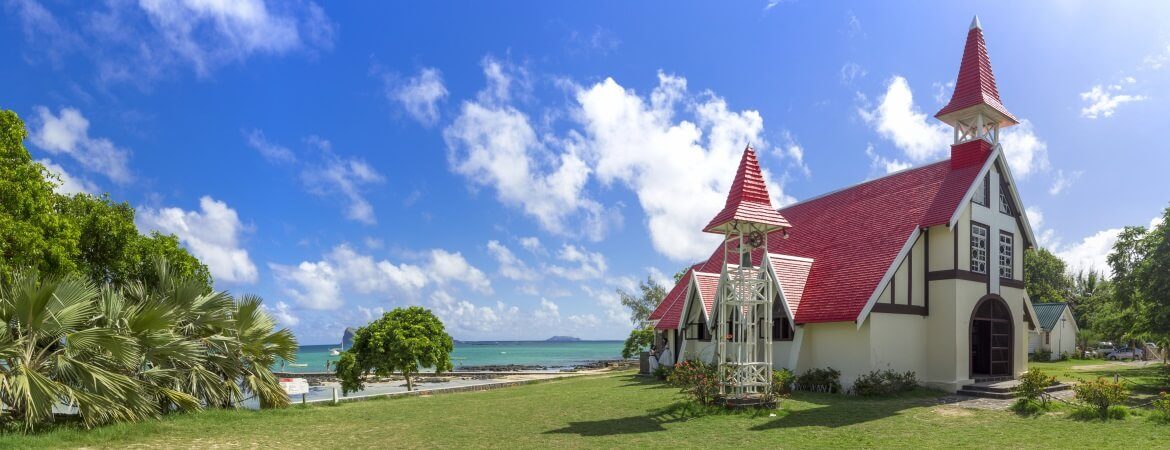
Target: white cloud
x=1103 y=101
x=922 y=138
x=320 y=284
x=1025 y=152
x=1158 y=60
x=942 y=90
x=420 y=95
x=212 y=234
x=897 y=118
x=547 y=312
x=202 y=34
x=532 y=244
x=610 y=304
x=851 y=72
x=348 y=177
x=1090 y=253
x=615 y=136
x=317 y=286
x=68 y=184
x=794 y=152
x=371 y=314
x=511 y=267
x=68 y=133
x=282 y=313
x=589 y=265
x=463 y=317
x=584 y=321
x=1045 y=238
x=882 y=165
x=1063 y=181
x=272 y=152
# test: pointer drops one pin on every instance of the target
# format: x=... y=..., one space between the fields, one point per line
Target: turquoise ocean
x=554 y=355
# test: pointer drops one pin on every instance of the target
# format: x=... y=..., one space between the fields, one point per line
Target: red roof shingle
x=976 y=82
x=748 y=199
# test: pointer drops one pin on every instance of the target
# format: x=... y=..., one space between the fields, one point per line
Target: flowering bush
x=1101 y=395
x=696 y=379
x=1162 y=407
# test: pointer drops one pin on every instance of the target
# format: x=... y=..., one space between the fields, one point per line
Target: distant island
x=562 y=339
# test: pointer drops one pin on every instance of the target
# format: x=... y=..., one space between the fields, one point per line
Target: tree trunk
x=409 y=385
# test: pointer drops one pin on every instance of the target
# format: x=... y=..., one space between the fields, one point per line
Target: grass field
x=617 y=410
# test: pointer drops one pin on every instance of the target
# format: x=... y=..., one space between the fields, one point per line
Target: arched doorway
x=991 y=338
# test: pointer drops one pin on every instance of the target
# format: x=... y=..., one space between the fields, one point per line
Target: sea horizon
x=552 y=355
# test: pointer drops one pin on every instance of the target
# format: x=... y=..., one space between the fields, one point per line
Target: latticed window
x=979 y=248
x=981 y=194
x=1005 y=201
x=1006 y=255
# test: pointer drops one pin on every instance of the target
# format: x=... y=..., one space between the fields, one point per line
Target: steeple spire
x=748 y=200
x=975 y=109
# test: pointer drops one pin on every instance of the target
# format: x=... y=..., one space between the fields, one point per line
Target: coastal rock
x=347 y=337
x=563 y=339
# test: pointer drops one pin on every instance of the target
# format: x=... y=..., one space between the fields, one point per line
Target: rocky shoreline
x=481 y=372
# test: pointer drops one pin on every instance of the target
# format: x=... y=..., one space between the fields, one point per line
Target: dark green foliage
x=1100 y=395
x=1046 y=276
x=782 y=381
x=638 y=341
x=884 y=382
x=32 y=234
x=59 y=235
x=662 y=372
x=1032 y=385
x=405 y=340
x=1042 y=355
x=819 y=380
x=642 y=305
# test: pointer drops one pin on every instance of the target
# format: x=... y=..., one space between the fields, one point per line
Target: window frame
x=1011 y=255
x=986 y=248
x=985 y=191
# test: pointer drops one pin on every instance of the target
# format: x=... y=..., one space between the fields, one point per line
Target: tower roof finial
x=975 y=86
x=975 y=23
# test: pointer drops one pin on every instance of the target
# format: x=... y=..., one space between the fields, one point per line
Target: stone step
x=1002 y=393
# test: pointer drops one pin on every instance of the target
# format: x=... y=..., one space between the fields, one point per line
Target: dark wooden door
x=991 y=338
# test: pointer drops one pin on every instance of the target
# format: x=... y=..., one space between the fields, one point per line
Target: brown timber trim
x=894 y=286
x=987 y=276
x=955 y=253
x=926 y=268
x=889 y=308
x=1012 y=283
x=910 y=274
x=955 y=275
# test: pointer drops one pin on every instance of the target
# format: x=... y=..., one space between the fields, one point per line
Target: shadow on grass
x=833 y=410
x=652 y=422
x=645 y=382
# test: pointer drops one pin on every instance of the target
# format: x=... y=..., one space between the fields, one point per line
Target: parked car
x=1103 y=349
x=1122 y=353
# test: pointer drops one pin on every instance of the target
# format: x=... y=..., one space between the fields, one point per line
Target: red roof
x=976 y=82
x=792 y=273
x=853 y=236
x=748 y=200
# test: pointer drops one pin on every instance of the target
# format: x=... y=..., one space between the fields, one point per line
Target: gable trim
x=994 y=161
x=877 y=292
x=780 y=290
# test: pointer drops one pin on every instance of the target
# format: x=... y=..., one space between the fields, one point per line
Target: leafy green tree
x=640 y=339
x=32 y=235
x=180 y=262
x=260 y=344
x=641 y=306
x=1045 y=276
x=404 y=339
x=106 y=236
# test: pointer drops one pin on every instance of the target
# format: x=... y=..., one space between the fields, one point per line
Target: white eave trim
x=997 y=155
x=877 y=292
x=780 y=288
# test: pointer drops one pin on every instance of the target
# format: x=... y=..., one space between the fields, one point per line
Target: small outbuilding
x=1057 y=332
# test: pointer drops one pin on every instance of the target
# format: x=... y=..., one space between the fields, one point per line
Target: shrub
x=696 y=379
x=1042 y=355
x=819 y=380
x=662 y=372
x=1162 y=407
x=1101 y=395
x=1032 y=386
x=782 y=381
x=884 y=382
x=1028 y=407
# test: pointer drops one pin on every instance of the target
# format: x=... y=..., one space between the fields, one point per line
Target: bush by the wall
x=1031 y=392
x=884 y=382
x=696 y=379
x=1100 y=395
x=819 y=380
x=1161 y=408
x=1041 y=355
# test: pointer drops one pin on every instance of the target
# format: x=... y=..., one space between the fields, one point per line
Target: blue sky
x=511 y=165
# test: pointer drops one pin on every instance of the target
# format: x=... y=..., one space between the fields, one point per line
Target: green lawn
x=618 y=410
x=1145 y=380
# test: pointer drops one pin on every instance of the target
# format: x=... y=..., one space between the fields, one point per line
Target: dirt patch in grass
x=951 y=411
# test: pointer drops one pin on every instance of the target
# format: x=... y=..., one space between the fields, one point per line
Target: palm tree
x=260 y=345
x=54 y=356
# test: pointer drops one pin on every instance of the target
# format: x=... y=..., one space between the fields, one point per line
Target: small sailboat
x=334 y=352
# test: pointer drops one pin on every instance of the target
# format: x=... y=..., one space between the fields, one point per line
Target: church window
x=1006 y=254
x=979 y=248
